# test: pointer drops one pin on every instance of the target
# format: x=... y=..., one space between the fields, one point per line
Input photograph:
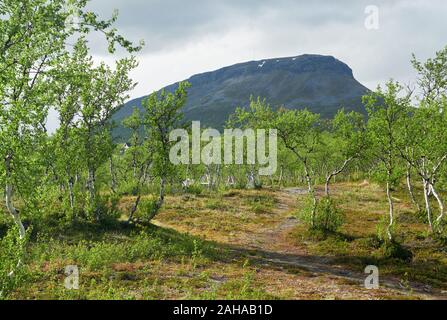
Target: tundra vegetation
x=359 y=188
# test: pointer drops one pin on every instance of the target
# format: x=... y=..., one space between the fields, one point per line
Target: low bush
x=394 y=250
x=328 y=217
x=194 y=189
x=13 y=271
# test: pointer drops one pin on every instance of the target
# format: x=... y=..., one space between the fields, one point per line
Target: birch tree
x=427 y=153
x=298 y=130
x=427 y=132
x=300 y=133
x=34 y=34
x=139 y=157
x=346 y=141
x=134 y=123
x=162 y=115
x=67 y=139
x=102 y=91
x=27 y=52
x=387 y=112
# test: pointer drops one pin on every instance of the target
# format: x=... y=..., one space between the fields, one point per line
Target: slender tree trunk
x=311 y=192
x=91 y=184
x=71 y=192
x=326 y=186
x=410 y=190
x=440 y=202
x=8 y=199
x=161 y=197
x=160 y=200
x=134 y=208
x=336 y=173
x=427 y=202
x=280 y=178
x=112 y=174
x=251 y=180
x=391 y=207
x=134 y=165
x=141 y=182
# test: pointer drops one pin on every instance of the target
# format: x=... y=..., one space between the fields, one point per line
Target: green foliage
x=394 y=250
x=422 y=215
x=328 y=218
x=162 y=116
x=13 y=271
x=147 y=208
x=216 y=204
x=195 y=189
x=103 y=253
x=129 y=188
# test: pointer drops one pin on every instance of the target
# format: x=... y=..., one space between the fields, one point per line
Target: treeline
x=80 y=174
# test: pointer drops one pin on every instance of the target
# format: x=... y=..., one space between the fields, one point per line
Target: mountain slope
x=322 y=84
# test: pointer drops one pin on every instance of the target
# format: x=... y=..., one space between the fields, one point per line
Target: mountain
x=322 y=84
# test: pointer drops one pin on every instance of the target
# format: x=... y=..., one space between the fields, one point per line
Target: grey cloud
x=173 y=23
x=288 y=27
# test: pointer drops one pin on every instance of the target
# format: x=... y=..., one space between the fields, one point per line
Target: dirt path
x=272 y=247
x=268 y=246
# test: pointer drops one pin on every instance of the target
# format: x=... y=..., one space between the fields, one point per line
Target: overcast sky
x=188 y=37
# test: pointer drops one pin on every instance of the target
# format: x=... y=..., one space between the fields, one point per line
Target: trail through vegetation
x=270 y=246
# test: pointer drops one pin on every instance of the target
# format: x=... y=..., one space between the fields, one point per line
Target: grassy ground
x=356 y=244
x=236 y=245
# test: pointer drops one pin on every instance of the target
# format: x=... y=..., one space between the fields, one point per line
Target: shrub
x=328 y=218
x=12 y=252
x=194 y=189
x=107 y=208
x=146 y=209
x=374 y=242
x=383 y=228
x=394 y=250
x=422 y=216
x=128 y=188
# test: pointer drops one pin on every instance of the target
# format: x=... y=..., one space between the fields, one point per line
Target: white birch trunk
x=91 y=184
x=280 y=178
x=112 y=174
x=410 y=190
x=9 y=202
x=391 y=211
x=427 y=202
x=311 y=192
x=440 y=202
x=71 y=192
x=334 y=174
